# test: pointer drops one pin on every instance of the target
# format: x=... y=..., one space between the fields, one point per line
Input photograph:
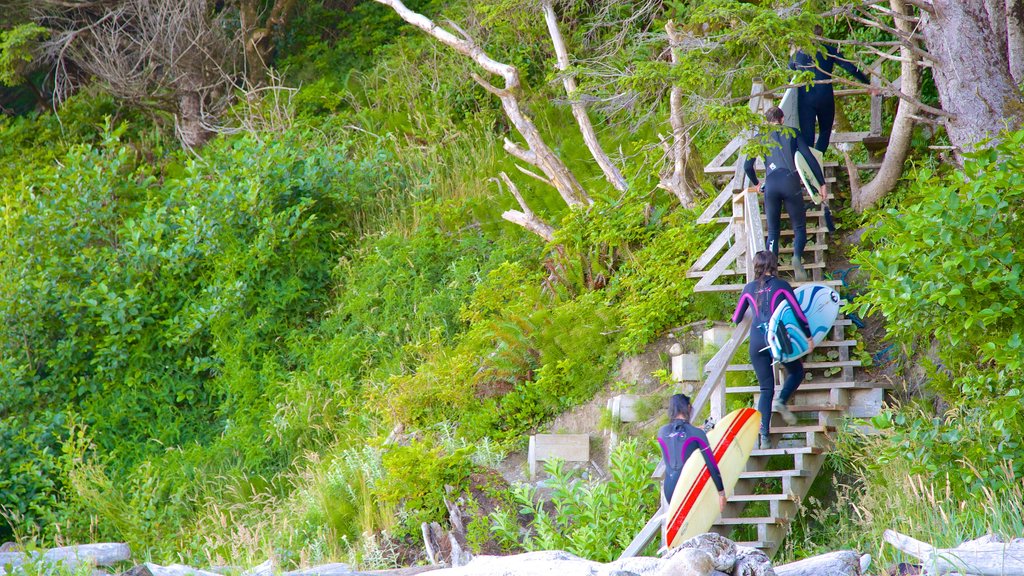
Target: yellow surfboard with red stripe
x=694 y=507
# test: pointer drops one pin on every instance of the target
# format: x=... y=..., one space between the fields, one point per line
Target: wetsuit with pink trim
x=761 y=298
x=679 y=439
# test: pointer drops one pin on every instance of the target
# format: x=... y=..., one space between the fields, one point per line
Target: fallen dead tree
x=72 y=557
x=983 y=557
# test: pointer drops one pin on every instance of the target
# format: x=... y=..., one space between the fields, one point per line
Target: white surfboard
x=803 y=168
x=694 y=507
x=820 y=304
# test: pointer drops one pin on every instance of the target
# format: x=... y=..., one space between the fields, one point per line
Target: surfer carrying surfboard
x=679 y=439
x=817 y=102
x=760 y=298
x=782 y=186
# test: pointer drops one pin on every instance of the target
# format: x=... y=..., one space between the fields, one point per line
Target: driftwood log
x=174 y=570
x=842 y=563
x=451 y=548
x=978 y=557
x=322 y=570
x=104 y=554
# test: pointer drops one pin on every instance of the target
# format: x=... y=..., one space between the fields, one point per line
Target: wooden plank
x=852 y=137
x=568 y=447
x=730 y=256
x=716 y=246
x=762 y=497
x=750 y=520
x=721 y=200
x=731 y=148
x=807 y=365
x=755 y=231
x=716 y=367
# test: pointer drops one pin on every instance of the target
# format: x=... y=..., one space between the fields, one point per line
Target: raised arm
x=748 y=168
x=842 y=62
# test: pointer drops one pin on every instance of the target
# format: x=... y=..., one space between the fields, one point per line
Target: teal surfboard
x=786 y=339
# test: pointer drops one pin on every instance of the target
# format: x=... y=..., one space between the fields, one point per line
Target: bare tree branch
x=546 y=160
x=527 y=219
x=611 y=172
x=679 y=153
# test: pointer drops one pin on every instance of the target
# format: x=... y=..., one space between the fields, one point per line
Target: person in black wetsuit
x=817 y=102
x=782 y=185
x=679 y=439
x=760 y=297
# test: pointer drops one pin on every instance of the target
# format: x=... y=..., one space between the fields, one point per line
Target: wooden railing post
x=876 y=100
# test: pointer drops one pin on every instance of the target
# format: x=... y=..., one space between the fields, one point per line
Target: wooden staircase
x=768 y=494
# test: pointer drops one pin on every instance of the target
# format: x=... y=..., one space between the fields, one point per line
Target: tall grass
x=879 y=496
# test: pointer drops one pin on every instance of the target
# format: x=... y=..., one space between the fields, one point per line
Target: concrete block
x=687 y=368
x=716 y=336
x=568 y=447
x=623 y=407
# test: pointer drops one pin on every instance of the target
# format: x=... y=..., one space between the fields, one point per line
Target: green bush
x=590 y=518
x=945 y=271
x=417 y=479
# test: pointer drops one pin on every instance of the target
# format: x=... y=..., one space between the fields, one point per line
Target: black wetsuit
x=782 y=185
x=679 y=439
x=817 y=101
x=762 y=300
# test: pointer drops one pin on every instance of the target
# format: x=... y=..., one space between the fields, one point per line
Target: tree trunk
x=678 y=181
x=252 y=36
x=902 y=128
x=971 y=74
x=259 y=38
x=192 y=132
x=1015 y=38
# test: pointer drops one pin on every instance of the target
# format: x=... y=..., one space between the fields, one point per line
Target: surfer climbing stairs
x=769 y=492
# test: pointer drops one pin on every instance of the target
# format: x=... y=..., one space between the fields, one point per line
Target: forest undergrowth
x=209 y=354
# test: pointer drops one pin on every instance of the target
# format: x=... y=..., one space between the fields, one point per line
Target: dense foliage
x=945 y=271
x=299 y=339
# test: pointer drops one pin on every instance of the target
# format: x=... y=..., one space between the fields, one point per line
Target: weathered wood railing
x=746 y=224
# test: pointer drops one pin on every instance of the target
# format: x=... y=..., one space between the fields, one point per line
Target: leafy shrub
x=945 y=270
x=417 y=478
x=592 y=519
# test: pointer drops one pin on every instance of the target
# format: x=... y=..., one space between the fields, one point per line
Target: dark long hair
x=765 y=264
x=679 y=405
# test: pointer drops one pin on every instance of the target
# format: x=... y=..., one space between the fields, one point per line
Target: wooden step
x=814 y=386
x=807 y=365
x=802 y=429
x=731 y=168
x=761 y=474
x=763 y=498
x=805 y=386
x=789 y=451
x=752 y=520
x=789 y=232
x=759 y=544
x=764 y=219
x=794 y=284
